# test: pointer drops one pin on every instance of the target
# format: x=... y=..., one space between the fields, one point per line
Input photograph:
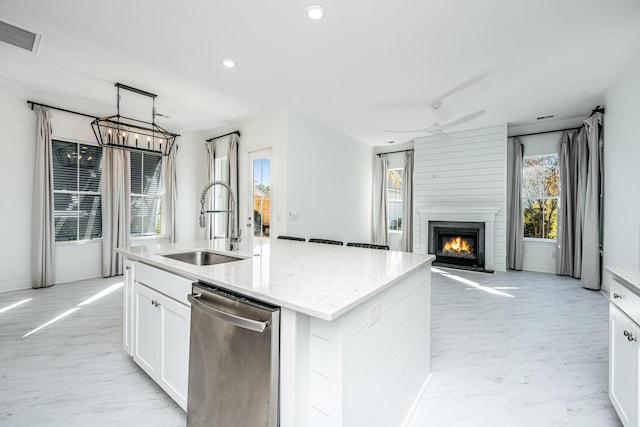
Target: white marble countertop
x=631 y=276
x=323 y=281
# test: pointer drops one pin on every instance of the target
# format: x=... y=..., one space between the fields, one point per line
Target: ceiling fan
x=439 y=128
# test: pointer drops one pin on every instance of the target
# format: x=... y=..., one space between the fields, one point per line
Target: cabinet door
x=147 y=329
x=127 y=308
x=623 y=366
x=174 y=354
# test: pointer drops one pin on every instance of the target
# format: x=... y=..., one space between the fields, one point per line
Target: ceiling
x=365 y=67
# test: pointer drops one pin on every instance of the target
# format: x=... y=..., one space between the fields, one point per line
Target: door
x=259 y=221
x=147 y=330
x=623 y=365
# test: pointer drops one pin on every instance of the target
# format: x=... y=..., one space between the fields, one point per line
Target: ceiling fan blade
x=461 y=120
x=405 y=131
x=465 y=84
x=441 y=135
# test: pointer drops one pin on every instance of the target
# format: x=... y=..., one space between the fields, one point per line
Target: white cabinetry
x=624 y=351
x=127 y=308
x=623 y=366
x=161 y=325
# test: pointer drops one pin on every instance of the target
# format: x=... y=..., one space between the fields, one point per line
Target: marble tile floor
x=509 y=349
x=516 y=349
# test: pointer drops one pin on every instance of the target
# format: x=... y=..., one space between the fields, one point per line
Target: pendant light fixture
x=131 y=134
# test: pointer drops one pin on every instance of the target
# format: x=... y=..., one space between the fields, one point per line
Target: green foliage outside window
x=540 y=192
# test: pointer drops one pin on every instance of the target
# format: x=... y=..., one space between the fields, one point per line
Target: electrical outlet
x=375 y=313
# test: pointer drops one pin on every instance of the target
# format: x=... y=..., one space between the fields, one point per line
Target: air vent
x=549 y=116
x=19 y=37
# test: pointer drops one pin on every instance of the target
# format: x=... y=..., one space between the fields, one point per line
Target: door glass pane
x=261 y=196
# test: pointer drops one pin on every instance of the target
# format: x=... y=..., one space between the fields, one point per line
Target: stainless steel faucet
x=231 y=211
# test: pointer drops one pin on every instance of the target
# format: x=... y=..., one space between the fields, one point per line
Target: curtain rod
x=548 y=131
x=33 y=103
x=237 y=132
x=393 y=152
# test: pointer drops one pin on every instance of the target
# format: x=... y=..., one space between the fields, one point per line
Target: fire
x=457 y=244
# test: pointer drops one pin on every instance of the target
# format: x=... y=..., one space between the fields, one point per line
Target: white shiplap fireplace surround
x=463 y=178
x=484 y=215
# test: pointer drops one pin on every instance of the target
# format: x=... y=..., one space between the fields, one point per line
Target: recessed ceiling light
x=315 y=12
x=229 y=63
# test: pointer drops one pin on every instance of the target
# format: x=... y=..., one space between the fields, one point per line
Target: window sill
x=539 y=240
x=395 y=231
x=97 y=241
x=143 y=238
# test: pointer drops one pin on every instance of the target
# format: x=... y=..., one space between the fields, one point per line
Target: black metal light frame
x=130 y=134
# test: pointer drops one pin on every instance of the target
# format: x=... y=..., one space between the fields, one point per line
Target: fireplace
x=458 y=244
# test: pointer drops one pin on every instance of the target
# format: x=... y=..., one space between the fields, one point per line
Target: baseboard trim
x=416 y=402
x=15 y=285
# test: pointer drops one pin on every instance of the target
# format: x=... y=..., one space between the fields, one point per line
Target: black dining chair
x=369 y=246
x=326 y=242
x=297 y=239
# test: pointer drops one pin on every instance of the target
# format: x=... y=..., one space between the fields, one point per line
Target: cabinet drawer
x=624 y=298
x=167 y=283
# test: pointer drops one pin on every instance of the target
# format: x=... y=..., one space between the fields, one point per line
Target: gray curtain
x=42 y=210
x=407 y=203
x=380 y=214
x=232 y=179
x=579 y=216
x=566 y=225
x=116 y=195
x=211 y=174
x=591 y=232
x=170 y=194
x=515 y=232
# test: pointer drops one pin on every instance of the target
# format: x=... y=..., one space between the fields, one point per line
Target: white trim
x=14 y=285
x=416 y=402
x=486 y=215
x=83 y=242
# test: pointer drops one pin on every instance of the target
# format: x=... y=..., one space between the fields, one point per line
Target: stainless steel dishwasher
x=234 y=359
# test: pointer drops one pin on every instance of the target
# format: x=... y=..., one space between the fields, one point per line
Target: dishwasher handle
x=242 y=322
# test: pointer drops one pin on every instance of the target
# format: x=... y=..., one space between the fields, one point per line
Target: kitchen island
x=354 y=336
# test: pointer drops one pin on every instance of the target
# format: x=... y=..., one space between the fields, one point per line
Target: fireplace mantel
x=475 y=214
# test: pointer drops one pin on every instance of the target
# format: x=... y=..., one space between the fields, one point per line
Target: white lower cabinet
x=127 y=307
x=623 y=365
x=161 y=343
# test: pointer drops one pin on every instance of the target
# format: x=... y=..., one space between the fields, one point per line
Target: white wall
x=622 y=170
x=312 y=167
x=17 y=140
x=329 y=178
x=467 y=171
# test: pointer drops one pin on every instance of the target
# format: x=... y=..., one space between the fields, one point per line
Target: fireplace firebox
x=457 y=244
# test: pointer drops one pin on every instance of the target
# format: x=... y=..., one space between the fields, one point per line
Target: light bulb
x=315 y=12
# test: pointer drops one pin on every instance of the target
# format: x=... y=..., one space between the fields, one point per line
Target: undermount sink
x=202 y=257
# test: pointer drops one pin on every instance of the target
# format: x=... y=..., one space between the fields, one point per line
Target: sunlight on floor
x=473 y=284
x=88 y=301
x=2 y=310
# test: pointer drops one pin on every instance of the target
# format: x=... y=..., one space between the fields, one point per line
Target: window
x=394 y=198
x=219 y=197
x=540 y=183
x=146 y=194
x=77 y=170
